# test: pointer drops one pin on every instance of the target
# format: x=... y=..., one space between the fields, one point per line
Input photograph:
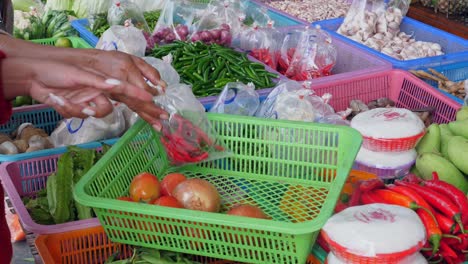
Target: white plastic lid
x=388 y=123
x=386 y=160
x=416 y=258
x=373 y=229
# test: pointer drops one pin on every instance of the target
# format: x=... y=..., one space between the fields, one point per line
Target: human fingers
x=149 y=72
x=65 y=108
x=98 y=107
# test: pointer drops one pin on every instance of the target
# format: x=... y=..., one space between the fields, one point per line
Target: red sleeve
x=5 y=106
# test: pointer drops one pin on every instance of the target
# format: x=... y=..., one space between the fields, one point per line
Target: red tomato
x=168 y=201
x=125 y=198
x=144 y=187
x=170 y=181
x=247 y=210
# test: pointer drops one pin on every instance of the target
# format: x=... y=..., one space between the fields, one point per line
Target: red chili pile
x=442 y=208
x=300 y=71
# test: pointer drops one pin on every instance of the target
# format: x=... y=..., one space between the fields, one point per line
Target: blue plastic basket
x=81 y=25
x=41 y=116
x=454 y=72
x=455 y=48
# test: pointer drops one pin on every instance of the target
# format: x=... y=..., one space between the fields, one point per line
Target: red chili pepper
x=356 y=196
x=446 y=224
x=452 y=240
x=447 y=251
x=436 y=200
x=340 y=206
x=412 y=178
x=395 y=198
x=464 y=243
x=453 y=193
x=370 y=198
x=434 y=234
x=369 y=185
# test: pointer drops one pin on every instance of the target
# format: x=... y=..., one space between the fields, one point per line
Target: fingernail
x=88 y=112
x=56 y=99
x=113 y=82
x=157 y=127
x=163 y=116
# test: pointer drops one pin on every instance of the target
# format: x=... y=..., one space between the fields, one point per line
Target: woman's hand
x=76 y=91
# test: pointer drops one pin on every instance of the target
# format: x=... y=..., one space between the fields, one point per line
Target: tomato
x=168 y=201
x=145 y=187
x=125 y=198
x=171 y=181
x=247 y=210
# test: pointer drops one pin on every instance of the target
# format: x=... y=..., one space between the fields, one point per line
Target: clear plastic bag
x=237 y=99
x=123 y=10
x=314 y=55
x=165 y=69
x=174 y=22
x=261 y=43
x=187 y=135
x=75 y=131
x=126 y=38
x=219 y=23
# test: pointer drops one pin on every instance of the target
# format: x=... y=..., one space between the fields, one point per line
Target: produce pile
x=55 y=204
x=443 y=83
x=100 y=24
x=25 y=139
x=208 y=68
x=34 y=25
x=311 y=10
x=441 y=207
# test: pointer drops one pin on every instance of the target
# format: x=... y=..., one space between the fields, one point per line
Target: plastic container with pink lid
x=389 y=129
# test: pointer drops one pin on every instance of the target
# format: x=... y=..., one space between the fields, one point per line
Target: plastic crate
x=81 y=25
x=91 y=245
x=407 y=90
x=26 y=178
x=454 y=72
x=76 y=42
x=455 y=48
x=41 y=116
x=270 y=180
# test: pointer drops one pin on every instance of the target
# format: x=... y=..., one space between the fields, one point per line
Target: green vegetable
x=100 y=24
x=25 y=5
x=59 y=189
x=59 y=5
x=80 y=7
x=151 y=256
x=208 y=68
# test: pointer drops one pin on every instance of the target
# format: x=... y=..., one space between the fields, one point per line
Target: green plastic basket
x=77 y=42
x=294 y=171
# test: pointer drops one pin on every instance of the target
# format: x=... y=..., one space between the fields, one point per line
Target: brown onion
x=198 y=194
x=247 y=210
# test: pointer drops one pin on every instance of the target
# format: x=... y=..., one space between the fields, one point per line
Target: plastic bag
x=174 y=22
x=237 y=99
x=255 y=15
x=75 y=131
x=126 y=38
x=262 y=44
x=219 y=23
x=187 y=135
x=122 y=10
x=314 y=55
x=97 y=13
x=165 y=69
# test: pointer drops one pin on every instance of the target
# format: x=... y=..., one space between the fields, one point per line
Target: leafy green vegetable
x=59 y=5
x=100 y=24
x=59 y=189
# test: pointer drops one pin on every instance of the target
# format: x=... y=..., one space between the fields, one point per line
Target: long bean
x=208 y=68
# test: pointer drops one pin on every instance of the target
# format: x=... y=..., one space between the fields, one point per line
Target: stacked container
x=389 y=138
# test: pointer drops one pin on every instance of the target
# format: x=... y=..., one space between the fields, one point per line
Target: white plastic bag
x=75 y=131
x=187 y=135
x=165 y=69
x=126 y=38
x=237 y=99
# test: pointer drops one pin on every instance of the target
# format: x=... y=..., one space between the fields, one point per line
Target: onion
x=182 y=30
x=247 y=210
x=170 y=37
x=196 y=37
x=205 y=36
x=225 y=27
x=225 y=37
x=216 y=34
x=198 y=194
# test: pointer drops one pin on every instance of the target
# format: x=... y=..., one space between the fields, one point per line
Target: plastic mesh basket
x=26 y=178
x=76 y=42
x=267 y=170
x=455 y=48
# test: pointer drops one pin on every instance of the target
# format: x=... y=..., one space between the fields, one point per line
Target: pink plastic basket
x=26 y=178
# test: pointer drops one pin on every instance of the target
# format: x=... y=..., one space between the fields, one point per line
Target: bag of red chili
x=261 y=43
x=307 y=53
x=187 y=135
